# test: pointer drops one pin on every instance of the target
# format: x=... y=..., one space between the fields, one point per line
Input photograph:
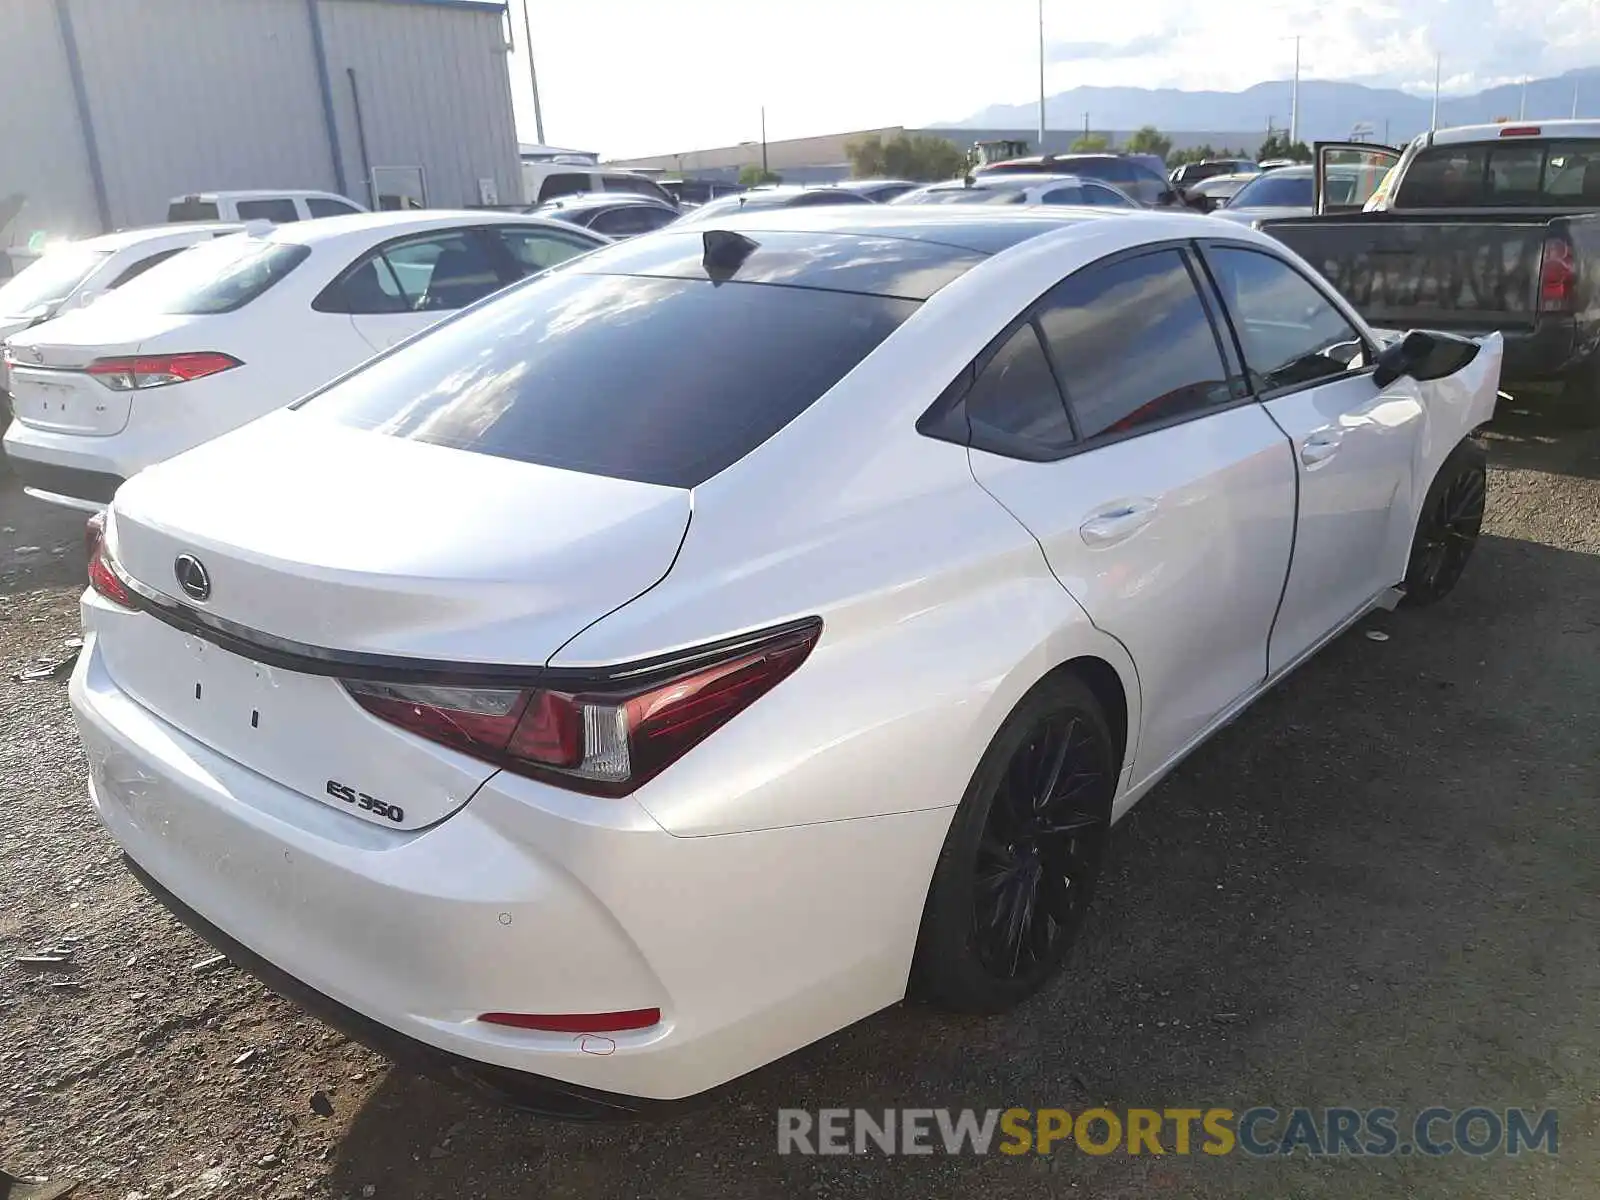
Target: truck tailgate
x=1402 y=272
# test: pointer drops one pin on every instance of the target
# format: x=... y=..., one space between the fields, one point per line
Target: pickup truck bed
x=1534 y=277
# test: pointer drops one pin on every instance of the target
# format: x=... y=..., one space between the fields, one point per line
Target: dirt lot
x=1380 y=887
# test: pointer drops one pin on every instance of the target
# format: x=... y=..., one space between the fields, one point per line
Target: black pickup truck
x=1491 y=227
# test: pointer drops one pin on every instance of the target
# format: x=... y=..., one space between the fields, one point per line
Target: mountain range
x=1329 y=109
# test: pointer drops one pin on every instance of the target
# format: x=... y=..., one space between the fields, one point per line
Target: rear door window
x=1134 y=344
x=1071 y=194
x=1014 y=404
x=280 y=211
x=614 y=374
x=536 y=248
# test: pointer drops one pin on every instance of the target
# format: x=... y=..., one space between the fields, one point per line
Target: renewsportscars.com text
x=1259 y=1132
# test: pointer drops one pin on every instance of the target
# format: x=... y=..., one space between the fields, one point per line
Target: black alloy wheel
x=1019 y=864
x=1448 y=527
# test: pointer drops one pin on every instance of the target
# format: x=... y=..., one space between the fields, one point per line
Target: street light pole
x=533 y=74
x=1294 y=96
x=1433 y=121
x=1522 y=106
x=1041 y=76
x=763 y=140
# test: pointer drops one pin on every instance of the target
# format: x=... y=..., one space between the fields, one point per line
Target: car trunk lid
x=385 y=558
x=49 y=386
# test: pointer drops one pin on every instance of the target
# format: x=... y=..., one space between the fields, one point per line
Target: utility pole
x=1433 y=121
x=533 y=74
x=1041 y=76
x=763 y=141
x=1294 y=96
x=1574 y=99
x=1522 y=108
x=1085 y=124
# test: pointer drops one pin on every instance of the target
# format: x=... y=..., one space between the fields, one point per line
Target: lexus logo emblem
x=192 y=577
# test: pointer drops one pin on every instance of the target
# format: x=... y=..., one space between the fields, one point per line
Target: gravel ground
x=1380 y=886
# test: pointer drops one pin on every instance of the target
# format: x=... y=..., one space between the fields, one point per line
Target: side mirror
x=1170 y=196
x=1424 y=356
x=1205 y=204
x=87 y=297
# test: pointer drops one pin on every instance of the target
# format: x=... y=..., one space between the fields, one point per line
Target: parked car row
x=246 y=322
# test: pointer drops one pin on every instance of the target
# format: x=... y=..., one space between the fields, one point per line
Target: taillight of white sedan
x=240 y=325
x=707 y=644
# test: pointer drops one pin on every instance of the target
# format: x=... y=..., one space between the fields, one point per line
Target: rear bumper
x=92 y=488
x=527 y=899
x=519 y=1089
x=1542 y=353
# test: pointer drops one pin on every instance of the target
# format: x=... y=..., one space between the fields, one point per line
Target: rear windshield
x=1275 y=190
x=51 y=279
x=1514 y=173
x=191 y=210
x=662 y=381
x=214 y=277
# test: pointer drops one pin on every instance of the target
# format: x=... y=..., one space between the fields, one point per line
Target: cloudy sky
x=655 y=76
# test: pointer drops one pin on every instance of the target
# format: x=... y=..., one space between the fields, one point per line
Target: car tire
x=1022 y=855
x=1448 y=527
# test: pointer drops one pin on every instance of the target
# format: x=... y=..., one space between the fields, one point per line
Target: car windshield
x=213 y=277
x=657 y=380
x=1276 y=189
x=51 y=279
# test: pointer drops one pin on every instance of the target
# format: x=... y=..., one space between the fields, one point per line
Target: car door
x=1349 y=175
x=1163 y=495
x=1354 y=443
x=404 y=286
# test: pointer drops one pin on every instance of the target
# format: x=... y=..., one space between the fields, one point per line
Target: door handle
x=1320 y=447
x=1117 y=522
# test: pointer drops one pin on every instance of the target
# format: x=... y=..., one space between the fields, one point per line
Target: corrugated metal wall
x=194 y=95
x=44 y=158
x=434 y=92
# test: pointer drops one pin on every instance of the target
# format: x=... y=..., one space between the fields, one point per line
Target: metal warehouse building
x=110 y=107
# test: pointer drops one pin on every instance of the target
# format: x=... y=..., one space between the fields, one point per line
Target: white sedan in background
x=698 y=648
x=1021 y=189
x=232 y=329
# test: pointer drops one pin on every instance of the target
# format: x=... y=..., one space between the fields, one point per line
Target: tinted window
x=660 y=380
x=563 y=185
x=622 y=222
x=537 y=249
x=1015 y=396
x=213 y=277
x=1290 y=333
x=434 y=273
x=1064 y=195
x=1512 y=173
x=1278 y=189
x=320 y=207
x=1094 y=193
x=139 y=268
x=636 y=184
x=1133 y=344
x=279 y=212
x=191 y=210
x=828 y=196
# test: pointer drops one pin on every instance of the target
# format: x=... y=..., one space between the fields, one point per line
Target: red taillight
x=607 y=739
x=1519 y=131
x=1558 y=276
x=612 y=1022
x=101 y=576
x=159 y=370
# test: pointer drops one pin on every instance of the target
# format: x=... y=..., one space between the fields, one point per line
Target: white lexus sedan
x=734 y=631
x=243 y=324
